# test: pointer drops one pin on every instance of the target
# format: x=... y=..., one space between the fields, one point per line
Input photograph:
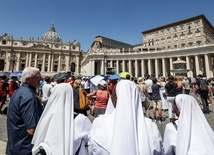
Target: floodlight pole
x=13 y=60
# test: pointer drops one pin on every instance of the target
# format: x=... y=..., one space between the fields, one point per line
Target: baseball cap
x=103 y=83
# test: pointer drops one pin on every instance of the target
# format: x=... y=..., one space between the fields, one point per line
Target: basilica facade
x=184 y=48
x=47 y=53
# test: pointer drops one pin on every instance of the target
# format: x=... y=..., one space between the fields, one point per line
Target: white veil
x=130 y=134
x=194 y=135
x=55 y=130
x=124 y=130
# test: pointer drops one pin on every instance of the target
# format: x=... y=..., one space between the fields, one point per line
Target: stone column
x=30 y=60
x=189 y=73
x=18 y=62
x=105 y=65
x=211 y=60
x=142 y=68
x=149 y=67
x=130 y=66
x=102 y=67
x=164 y=67
x=197 y=65
x=27 y=60
x=52 y=62
x=49 y=62
x=43 y=63
x=136 y=68
x=6 y=61
x=124 y=66
x=35 y=60
x=117 y=66
x=171 y=66
x=59 y=64
x=67 y=62
x=111 y=63
x=156 y=68
x=207 y=64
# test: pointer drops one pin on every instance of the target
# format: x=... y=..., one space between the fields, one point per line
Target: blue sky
x=121 y=20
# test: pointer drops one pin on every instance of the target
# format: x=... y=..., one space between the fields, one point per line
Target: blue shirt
x=24 y=112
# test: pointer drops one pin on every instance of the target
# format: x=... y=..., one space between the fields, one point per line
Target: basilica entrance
x=1 y=65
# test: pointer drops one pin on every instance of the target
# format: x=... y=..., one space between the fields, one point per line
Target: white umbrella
x=96 y=79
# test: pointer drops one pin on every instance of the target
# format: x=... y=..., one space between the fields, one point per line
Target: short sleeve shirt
x=171 y=89
x=24 y=112
x=102 y=97
x=156 y=92
x=149 y=84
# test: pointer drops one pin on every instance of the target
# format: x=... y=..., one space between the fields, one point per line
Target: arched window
x=1 y=65
x=73 y=67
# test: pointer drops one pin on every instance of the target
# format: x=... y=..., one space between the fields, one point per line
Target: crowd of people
x=50 y=115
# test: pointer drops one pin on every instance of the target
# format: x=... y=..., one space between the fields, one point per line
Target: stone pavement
x=3 y=132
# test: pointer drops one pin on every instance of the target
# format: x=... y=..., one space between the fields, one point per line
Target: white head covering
x=194 y=135
x=124 y=130
x=130 y=134
x=82 y=126
x=110 y=106
x=55 y=129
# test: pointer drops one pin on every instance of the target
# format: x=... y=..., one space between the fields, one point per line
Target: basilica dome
x=51 y=35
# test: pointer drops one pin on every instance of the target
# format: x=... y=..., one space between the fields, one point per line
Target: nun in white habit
x=124 y=130
x=57 y=132
x=193 y=136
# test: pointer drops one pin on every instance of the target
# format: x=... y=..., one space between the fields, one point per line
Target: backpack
x=83 y=100
x=203 y=86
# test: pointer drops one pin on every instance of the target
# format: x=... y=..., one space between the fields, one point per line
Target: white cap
x=103 y=83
